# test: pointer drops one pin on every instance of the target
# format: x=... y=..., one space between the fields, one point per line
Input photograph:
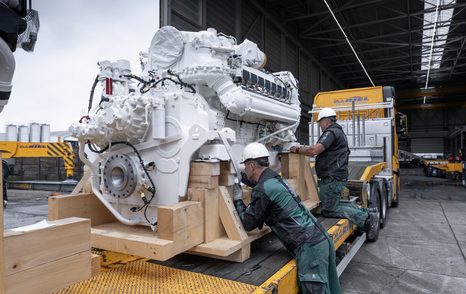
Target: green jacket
x=275 y=203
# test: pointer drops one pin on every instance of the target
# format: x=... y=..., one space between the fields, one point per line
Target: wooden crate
x=205 y=224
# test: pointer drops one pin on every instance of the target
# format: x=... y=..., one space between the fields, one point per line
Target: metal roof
x=392 y=38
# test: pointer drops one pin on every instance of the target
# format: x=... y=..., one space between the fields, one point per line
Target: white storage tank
x=11 y=133
x=34 y=132
x=23 y=133
x=45 y=133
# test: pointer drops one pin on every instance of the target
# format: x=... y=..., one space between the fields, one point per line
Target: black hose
x=89 y=107
x=141 y=162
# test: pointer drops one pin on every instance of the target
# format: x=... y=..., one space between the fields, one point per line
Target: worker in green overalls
x=332 y=156
x=276 y=204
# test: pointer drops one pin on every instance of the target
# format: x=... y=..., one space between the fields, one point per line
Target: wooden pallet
x=205 y=223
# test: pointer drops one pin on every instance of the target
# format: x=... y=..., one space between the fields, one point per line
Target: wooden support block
x=96 y=260
x=47 y=258
x=226 y=180
x=80 y=205
x=207 y=182
x=179 y=216
x=52 y=276
x=229 y=216
x=133 y=240
x=311 y=185
x=290 y=165
x=182 y=223
x=240 y=255
x=226 y=167
x=204 y=169
x=213 y=228
x=34 y=247
x=224 y=248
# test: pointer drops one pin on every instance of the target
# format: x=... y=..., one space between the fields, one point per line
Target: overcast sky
x=52 y=84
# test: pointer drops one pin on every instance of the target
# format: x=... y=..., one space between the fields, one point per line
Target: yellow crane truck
x=14 y=149
x=372 y=125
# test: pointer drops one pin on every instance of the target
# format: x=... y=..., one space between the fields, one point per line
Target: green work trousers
x=317 y=272
x=329 y=193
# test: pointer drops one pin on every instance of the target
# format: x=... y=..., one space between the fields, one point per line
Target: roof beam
x=418 y=13
x=343 y=8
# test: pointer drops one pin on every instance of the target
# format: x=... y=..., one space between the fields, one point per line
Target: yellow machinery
x=372 y=125
x=40 y=149
x=442 y=169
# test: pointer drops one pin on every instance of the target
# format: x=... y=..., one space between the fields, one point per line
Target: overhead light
x=433 y=37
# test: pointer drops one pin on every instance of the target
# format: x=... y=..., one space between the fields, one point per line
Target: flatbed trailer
x=270 y=269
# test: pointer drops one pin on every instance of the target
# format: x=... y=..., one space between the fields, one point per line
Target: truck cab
x=371 y=124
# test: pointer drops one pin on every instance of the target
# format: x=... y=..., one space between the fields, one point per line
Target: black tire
x=383 y=206
x=458 y=176
x=396 y=191
x=374 y=205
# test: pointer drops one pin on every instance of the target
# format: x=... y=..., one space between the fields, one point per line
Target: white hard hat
x=254 y=151
x=326 y=112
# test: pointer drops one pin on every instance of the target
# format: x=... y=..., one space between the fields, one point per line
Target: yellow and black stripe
x=63 y=150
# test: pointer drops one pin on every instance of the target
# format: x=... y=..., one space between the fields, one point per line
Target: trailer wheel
x=396 y=191
x=374 y=207
x=383 y=206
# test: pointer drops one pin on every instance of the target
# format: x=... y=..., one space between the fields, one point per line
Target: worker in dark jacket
x=332 y=154
x=276 y=204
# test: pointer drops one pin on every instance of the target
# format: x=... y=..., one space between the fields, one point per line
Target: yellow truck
x=14 y=149
x=372 y=125
x=443 y=169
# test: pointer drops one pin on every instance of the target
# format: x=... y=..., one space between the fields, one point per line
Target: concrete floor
x=422 y=249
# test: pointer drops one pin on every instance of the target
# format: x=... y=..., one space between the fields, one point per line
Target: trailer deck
x=270 y=266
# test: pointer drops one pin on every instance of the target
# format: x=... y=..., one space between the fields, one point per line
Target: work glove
x=237 y=192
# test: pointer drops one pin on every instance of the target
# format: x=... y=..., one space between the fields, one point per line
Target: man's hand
x=237 y=192
x=295 y=149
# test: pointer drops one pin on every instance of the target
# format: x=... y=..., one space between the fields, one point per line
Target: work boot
x=371 y=226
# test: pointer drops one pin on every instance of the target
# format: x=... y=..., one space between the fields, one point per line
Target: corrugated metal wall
x=429 y=129
x=245 y=19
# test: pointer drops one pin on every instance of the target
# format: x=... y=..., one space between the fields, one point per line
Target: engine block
x=196 y=90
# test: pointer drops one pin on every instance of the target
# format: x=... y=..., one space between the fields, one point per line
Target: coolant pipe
x=96 y=191
x=279 y=131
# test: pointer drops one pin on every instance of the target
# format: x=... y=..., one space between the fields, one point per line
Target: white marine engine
x=201 y=96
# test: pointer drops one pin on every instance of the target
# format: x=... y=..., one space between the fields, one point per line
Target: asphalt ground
x=421 y=250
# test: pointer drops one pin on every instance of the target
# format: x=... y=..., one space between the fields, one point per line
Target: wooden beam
x=44 y=259
x=204 y=169
x=207 y=182
x=80 y=205
x=96 y=260
x=213 y=228
x=134 y=240
x=230 y=217
x=31 y=248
